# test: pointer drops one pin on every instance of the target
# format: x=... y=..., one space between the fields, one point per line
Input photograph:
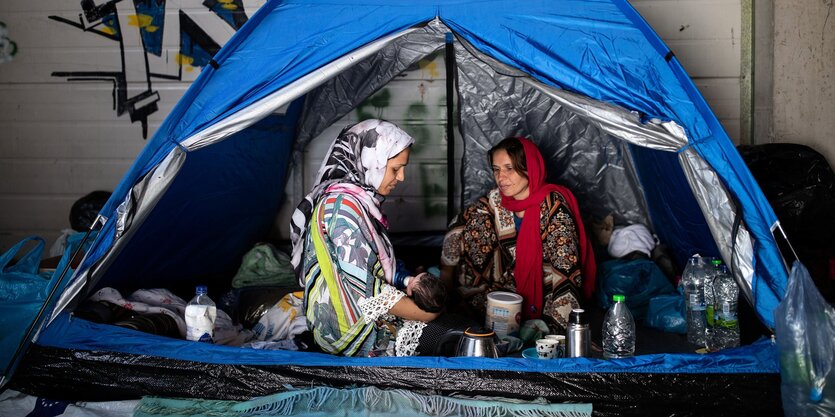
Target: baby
x=427 y=291
x=632 y=242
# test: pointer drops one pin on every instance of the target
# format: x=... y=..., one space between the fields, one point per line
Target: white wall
x=705 y=36
x=60 y=140
x=804 y=64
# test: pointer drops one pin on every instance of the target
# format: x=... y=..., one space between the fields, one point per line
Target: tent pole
x=449 y=60
x=786 y=263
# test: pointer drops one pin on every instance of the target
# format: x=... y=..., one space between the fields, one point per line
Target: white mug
x=546 y=348
x=560 y=349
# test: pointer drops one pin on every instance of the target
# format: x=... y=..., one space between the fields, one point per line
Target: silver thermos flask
x=578 y=335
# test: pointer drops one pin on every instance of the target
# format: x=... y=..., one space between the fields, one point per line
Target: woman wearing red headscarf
x=525 y=236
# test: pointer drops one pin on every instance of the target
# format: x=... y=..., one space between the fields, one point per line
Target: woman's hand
x=406 y=309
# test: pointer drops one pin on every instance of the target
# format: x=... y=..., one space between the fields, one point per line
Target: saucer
x=530 y=353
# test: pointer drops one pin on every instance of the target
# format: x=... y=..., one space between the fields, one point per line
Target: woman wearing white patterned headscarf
x=342 y=253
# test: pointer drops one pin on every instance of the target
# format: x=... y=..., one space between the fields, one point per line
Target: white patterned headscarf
x=358 y=156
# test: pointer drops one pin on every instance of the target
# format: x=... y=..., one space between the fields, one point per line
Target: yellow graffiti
x=140 y=20
x=430 y=66
x=109 y=30
x=186 y=62
x=184 y=59
x=143 y=21
x=228 y=4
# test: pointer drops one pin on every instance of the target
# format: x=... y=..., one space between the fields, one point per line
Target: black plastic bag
x=800 y=185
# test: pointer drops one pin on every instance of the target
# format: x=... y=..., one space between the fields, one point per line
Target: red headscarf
x=528 y=270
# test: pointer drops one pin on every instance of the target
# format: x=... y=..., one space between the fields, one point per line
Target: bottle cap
x=716 y=262
x=578 y=316
x=200 y=290
x=618 y=297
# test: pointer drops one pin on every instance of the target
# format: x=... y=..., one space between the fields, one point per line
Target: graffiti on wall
x=138 y=28
x=8 y=48
x=158 y=41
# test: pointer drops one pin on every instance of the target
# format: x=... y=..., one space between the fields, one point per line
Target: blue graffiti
x=230 y=11
x=152 y=31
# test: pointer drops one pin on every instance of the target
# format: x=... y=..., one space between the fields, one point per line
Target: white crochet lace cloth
x=378 y=307
x=408 y=337
x=375 y=307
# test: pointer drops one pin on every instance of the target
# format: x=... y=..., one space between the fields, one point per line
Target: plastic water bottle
x=618 y=330
x=710 y=302
x=200 y=316
x=693 y=280
x=725 y=330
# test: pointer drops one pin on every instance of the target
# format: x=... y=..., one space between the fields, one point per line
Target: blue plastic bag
x=805 y=331
x=21 y=280
x=22 y=292
x=667 y=313
x=639 y=280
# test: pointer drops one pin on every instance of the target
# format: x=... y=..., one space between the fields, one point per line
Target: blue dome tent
x=208 y=185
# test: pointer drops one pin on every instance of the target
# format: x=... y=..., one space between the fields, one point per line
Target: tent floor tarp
x=97 y=376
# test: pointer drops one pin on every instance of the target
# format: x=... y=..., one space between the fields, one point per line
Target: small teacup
x=546 y=348
x=560 y=349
